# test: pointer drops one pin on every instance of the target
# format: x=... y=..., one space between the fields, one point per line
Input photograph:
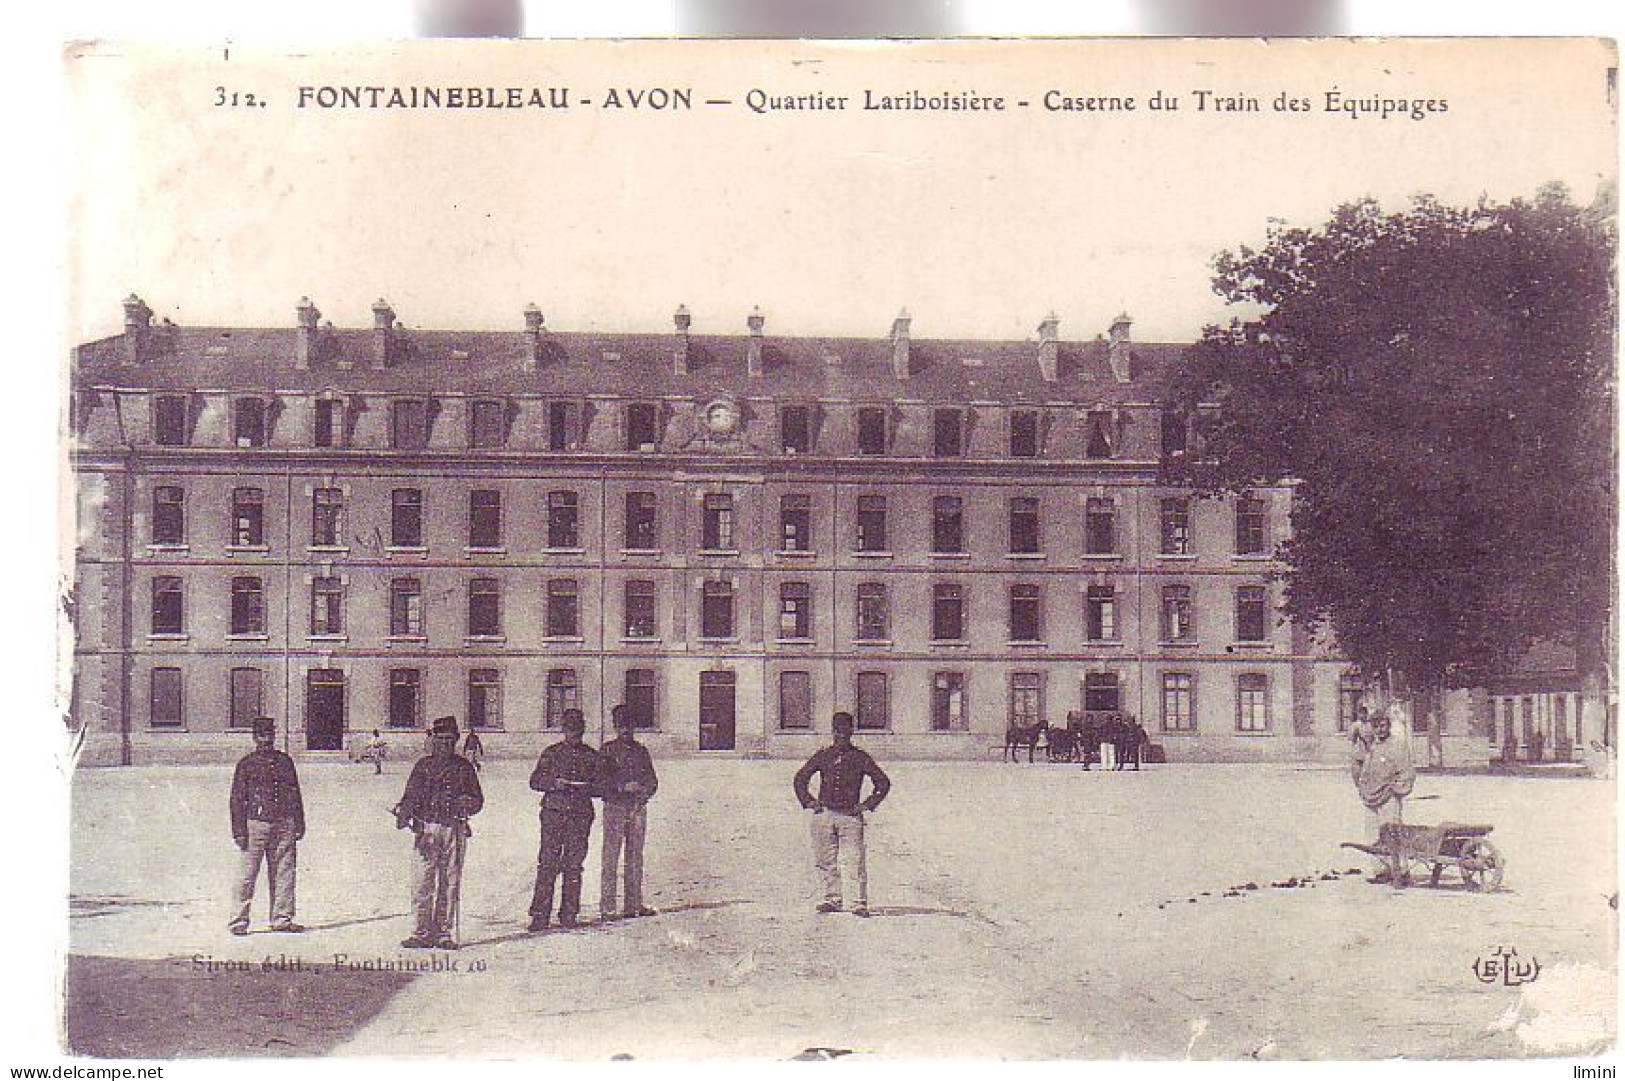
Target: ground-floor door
x=324 y=709
x=716 y=711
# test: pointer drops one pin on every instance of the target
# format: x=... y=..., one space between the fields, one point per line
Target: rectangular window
x=871 y=523
x=168 y=515
x=169 y=426
x=1102 y=693
x=247 y=696
x=247 y=606
x=717 y=610
x=326 y=606
x=947 y=524
x=327 y=518
x=639 y=611
x=1350 y=693
x=1176 y=526
x=248 y=422
x=874 y=617
x=1100 y=613
x=1100 y=435
x=871 y=430
x=409 y=424
x=485 y=518
x=1100 y=527
x=948 y=712
x=484 y=698
x=947 y=613
x=1026 y=699
x=563 y=609
x=795 y=610
x=406 y=518
x=1026 y=614
x=874 y=702
x=329 y=424
x=948 y=433
x=642 y=426
x=717 y=523
x=795 y=429
x=640 y=534
x=795 y=700
x=484 y=608
x=1024 y=538
x=405 y=608
x=168 y=612
x=561 y=426
x=487 y=423
x=1175 y=432
x=563 y=520
x=1251 y=519
x=406 y=698
x=795 y=523
x=1252 y=702
x=166 y=698
x=563 y=692
x=1178 y=702
x=247 y=517
x=1024 y=434
x=1177 y=614
x=1252 y=618
x=639 y=697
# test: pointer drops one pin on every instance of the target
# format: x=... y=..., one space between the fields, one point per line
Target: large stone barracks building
x=735 y=535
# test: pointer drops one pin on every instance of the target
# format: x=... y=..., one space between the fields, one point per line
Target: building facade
x=350 y=529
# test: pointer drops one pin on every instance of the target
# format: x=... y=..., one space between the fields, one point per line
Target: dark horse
x=1015 y=737
x=1064 y=743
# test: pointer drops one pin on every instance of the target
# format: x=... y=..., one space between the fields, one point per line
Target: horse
x=1016 y=736
x=1063 y=744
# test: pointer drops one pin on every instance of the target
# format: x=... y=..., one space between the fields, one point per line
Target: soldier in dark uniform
x=267 y=822
x=441 y=794
x=568 y=774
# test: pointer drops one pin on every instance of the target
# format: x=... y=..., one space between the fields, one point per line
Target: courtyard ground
x=1021 y=912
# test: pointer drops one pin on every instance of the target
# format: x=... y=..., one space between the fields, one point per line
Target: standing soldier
x=837 y=820
x=568 y=774
x=267 y=822
x=629 y=781
x=1383 y=777
x=441 y=794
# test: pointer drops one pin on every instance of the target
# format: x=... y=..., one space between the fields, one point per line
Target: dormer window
x=487 y=423
x=248 y=422
x=561 y=426
x=329 y=422
x=871 y=430
x=409 y=424
x=642 y=426
x=948 y=433
x=795 y=429
x=1024 y=434
x=1175 y=432
x=1099 y=435
x=169 y=420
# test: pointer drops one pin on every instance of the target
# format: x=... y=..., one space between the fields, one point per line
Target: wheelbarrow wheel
x=1481 y=865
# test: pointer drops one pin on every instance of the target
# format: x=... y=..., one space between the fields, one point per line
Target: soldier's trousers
x=836 y=838
x=272 y=843
x=437 y=879
x=624 y=828
x=562 y=852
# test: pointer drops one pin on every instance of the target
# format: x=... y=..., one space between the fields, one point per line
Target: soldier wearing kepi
x=568 y=774
x=441 y=795
x=267 y=822
x=837 y=820
x=629 y=781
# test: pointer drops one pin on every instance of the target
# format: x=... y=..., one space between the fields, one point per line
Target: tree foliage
x=1437 y=384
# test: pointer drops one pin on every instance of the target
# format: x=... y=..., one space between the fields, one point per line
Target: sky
x=978 y=223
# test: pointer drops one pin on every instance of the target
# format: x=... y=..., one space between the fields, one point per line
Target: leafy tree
x=1437 y=384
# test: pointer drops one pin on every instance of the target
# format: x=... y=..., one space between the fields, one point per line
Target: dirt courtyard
x=1021 y=912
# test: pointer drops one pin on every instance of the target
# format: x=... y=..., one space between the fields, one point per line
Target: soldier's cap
x=444 y=726
x=264 y=726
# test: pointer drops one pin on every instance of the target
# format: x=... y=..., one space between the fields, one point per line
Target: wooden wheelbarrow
x=1449 y=844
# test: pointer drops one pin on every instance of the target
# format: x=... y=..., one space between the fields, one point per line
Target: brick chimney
x=1049 y=347
x=753 y=347
x=383 y=333
x=899 y=344
x=1117 y=347
x=535 y=338
x=304 y=348
x=681 y=321
x=137 y=322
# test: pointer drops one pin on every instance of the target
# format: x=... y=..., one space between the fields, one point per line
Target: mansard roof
x=622 y=365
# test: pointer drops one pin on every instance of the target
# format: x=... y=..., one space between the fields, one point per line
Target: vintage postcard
x=1053 y=550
